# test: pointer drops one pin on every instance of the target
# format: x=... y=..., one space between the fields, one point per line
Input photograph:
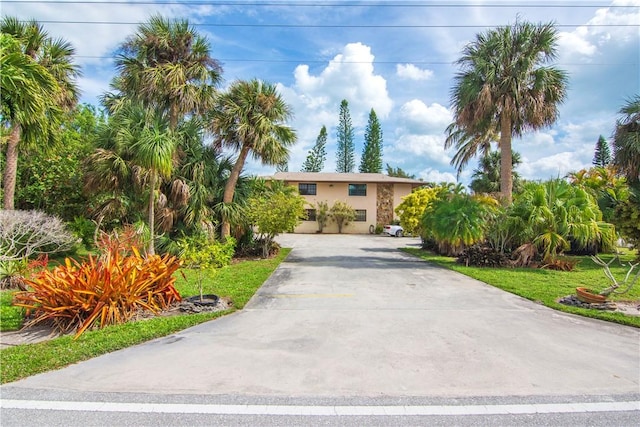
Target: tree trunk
x=152 y=219
x=506 y=176
x=230 y=189
x=11 y=168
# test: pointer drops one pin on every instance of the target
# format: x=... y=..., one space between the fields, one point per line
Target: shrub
x=27 y=233
x=482 y=256
x=342 y=213
x=100 y=291
x=412 y=207
x=84 y=229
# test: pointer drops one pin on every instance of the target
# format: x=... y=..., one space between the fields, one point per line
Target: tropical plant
x=342 y=213
x=456 y=222
x=467 y=144
x=602 y=153
x=168 y=66
x=371 y=161
x=608 y=188
x=553 y=215
x=141 y=146
x=318 y=154
x=250 y=118
x=38 y=85
x=345 y=156
x=626 y=141
x=204 y=254
x=503 y=85
x=486 y=178
x=322 y=215
x=273 y=212
x=109 y=290
x=50 y=179
x=412 y=207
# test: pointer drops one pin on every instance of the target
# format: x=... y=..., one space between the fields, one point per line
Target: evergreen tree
x=372 y=152
x=486 y=178
x=317 y=155
x=398 y=172
x=345 y=155
x=282 y=167
x=602 y=155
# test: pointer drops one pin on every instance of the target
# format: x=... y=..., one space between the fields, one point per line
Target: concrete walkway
x=352 y=316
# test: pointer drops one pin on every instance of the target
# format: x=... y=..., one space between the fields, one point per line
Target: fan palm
x=503 y=85
x=467 y=145
x=168 y=65
x=40 y=84
x=138 y=148
x=626 y=141
x=250 y=118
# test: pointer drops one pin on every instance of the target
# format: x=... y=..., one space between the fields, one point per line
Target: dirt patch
x=630 y=308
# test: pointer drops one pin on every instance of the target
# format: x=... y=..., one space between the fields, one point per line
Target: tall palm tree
x=504 y=83
x=166 y=64
x=626 y=141
x=53 y=80
x=250 y=117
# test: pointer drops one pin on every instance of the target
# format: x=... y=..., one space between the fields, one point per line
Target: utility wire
x=390 y=4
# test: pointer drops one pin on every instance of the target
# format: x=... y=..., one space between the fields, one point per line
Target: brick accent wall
x=384 y=204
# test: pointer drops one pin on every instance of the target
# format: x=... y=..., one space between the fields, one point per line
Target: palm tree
x=41 y=85
x=136 y=148
x=168 y=65
x=250 y=117
x=626 y=141
x=467 y=145
x=503 y=85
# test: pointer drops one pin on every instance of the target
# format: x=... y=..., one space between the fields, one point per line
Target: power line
x=422 y=4
x=399 y=26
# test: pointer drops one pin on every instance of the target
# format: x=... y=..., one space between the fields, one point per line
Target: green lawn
x=238 y=282
x=547 y=286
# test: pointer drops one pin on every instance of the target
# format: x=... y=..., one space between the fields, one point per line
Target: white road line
x=179 y=408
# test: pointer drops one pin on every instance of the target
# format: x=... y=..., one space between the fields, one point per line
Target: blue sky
x=396 y=57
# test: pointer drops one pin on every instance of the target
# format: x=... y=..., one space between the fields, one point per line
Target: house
x=374 y=196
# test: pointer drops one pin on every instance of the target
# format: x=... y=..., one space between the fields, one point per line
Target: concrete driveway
x=353 y=316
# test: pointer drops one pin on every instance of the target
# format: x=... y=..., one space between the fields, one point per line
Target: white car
x=393 y=230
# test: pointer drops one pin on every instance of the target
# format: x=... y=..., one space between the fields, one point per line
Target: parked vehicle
x=393 y=230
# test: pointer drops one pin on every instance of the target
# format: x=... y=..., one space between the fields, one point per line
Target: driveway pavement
x=352 y=317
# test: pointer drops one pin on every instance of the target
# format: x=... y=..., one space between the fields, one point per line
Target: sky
x=396 y=57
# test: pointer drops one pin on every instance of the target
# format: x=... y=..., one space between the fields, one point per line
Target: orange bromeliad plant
x=101 y=291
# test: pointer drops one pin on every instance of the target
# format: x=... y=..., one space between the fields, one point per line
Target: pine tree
x=372 y=152
x=282 y=167
x=318 y=154
x=345 y=154
x=602 y=156
x=398 y=172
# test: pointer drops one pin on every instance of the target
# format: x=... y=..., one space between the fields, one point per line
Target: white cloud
x=553 y=166
x=416 y=117
x=420 y=149
x=411 y=72
x=432 y=175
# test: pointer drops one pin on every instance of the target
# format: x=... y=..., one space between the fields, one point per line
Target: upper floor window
x=357 y=189
x=307 y=189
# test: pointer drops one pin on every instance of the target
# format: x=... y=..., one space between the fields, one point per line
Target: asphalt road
x=350 y=331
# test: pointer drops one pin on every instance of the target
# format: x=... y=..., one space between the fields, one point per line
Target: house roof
x=374 y=178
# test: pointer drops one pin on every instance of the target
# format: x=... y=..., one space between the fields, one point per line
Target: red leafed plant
x=100 y=291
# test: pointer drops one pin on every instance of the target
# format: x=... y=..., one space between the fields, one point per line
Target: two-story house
x=373 y=196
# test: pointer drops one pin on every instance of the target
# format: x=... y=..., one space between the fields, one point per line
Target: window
x=311 y=214
x=307 y=189
x=357 y=189
x=361 y=215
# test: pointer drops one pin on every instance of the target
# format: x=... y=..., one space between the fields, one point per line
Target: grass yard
x=546 y=286
x=237 y=281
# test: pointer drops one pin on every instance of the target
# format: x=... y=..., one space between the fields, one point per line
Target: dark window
x=357 y=189
x=311 y=215
x=361 y=215
x=307 y=189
